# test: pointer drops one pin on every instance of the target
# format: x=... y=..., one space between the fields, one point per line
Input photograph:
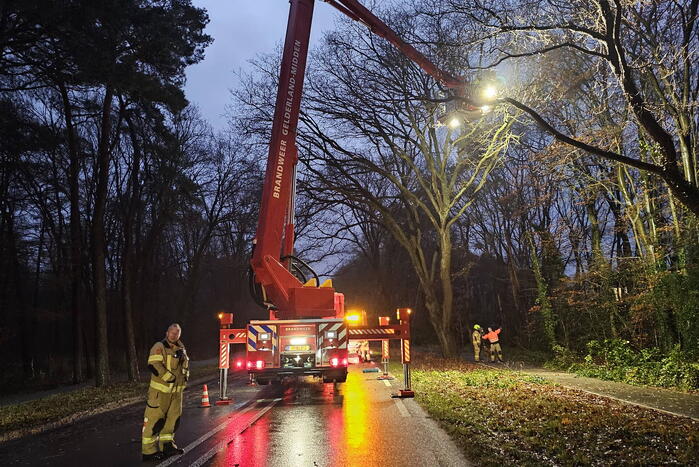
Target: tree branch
x=546 y=126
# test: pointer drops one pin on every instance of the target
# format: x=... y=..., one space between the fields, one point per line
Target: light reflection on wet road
x=305 y=423
x=355 y=423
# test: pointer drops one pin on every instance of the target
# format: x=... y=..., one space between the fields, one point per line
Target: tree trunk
x=446 y=321
x=191 y=287
x=447 y=342
x=131 y=354
x=128 y=259
x=542 y=299
x=102 y=374
x=75 y=239
x=443 y=330
x=595 y=236
x=35 y=298
x=25 y=330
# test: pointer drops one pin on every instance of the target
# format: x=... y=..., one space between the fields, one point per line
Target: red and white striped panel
x=373 y=331
x=405 y=354
x=233 y=336
x=223 y=355
x=241 y=337
x=339 y=328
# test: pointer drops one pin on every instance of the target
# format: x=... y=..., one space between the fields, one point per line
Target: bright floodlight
x=490 y=92
x=486 y=108
x=454 y=122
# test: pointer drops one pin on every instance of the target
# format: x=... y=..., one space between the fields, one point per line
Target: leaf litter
x=508 y=417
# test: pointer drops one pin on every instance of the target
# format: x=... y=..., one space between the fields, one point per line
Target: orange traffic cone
x=205 y=398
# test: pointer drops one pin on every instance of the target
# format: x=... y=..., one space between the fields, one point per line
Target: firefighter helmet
x=477 y=327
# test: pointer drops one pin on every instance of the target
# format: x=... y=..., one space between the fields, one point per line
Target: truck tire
x=262 y=381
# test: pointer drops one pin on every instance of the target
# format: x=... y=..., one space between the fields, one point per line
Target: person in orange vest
x=494 y=339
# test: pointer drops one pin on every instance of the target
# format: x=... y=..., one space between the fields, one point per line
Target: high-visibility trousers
x=477 y=352
x=161 y=418
x=495 y=349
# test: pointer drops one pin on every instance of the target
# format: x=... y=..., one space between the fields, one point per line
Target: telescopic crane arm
x=358 y=12
x=285 y=294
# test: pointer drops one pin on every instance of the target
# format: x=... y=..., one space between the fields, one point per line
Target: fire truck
x=305 y=333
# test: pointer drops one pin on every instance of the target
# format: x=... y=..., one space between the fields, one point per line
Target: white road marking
x=223 y=444
x=401 y=407
x=203 y=438
x=256 y=417
x=387 y=383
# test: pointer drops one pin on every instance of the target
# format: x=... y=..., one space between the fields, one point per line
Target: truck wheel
x=262 y=381
x=337 y=379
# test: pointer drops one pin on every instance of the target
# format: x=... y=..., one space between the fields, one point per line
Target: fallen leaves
x=533 y=422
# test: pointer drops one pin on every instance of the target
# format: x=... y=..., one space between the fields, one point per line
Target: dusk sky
x=241 y=29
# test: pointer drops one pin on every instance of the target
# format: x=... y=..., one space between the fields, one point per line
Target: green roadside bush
x=616 y=360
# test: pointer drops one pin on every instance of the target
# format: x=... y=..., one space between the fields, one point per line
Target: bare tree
x=643 y=54
x=369 y=139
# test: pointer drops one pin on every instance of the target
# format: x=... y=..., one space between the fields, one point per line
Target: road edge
x=78 y=416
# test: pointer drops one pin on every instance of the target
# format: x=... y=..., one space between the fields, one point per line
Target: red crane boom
x=290 y=298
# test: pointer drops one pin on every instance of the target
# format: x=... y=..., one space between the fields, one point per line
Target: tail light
x=250 y=365
x=260 y=364
x=239 y=364
x=335 y=362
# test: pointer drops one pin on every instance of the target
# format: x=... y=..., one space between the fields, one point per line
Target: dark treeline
x=565 y=213
x=121 y=211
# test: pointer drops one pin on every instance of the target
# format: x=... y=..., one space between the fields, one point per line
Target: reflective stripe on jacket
x=168 y=372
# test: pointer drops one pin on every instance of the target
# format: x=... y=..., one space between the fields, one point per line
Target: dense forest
x=564 y=211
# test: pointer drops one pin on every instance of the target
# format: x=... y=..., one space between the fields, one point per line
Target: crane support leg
x=385 y=355
x=407 y=391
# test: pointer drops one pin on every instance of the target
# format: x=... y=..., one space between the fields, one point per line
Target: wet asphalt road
x=303 y=423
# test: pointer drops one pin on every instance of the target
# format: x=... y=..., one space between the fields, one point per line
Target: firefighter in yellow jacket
x=169 y=365
x=476 y=340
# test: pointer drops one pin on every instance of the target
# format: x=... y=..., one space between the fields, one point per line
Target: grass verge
x=54 y=410
x=507 y=418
